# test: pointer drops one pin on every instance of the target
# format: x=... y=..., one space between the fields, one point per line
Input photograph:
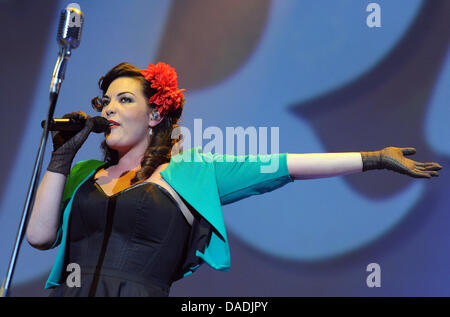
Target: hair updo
x=161 y=142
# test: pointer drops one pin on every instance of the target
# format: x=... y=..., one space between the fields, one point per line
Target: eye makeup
x=106 y=99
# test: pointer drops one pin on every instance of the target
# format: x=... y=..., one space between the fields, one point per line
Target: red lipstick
x=113 y=124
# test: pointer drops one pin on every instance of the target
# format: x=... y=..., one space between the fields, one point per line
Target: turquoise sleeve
x=242 y=176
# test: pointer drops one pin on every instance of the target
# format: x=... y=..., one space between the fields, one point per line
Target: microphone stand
x=57 y=79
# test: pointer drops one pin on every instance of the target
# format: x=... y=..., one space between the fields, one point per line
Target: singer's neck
x=131 y=159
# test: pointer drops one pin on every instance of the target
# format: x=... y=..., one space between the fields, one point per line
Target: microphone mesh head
x=70 y=26
x=61 y=24
x=73 y=5
x=100 y=125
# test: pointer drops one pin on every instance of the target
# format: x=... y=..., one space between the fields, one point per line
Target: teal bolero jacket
x=205 y=182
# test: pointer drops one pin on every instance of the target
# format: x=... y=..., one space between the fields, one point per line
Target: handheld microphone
x=70 y=124
x=70 y=26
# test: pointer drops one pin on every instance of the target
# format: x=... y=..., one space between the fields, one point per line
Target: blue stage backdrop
x=315 y=70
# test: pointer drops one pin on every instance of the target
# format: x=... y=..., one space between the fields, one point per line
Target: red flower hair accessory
x=164 y=79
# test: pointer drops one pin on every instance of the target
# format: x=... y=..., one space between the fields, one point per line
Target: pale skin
x=321 y=165
x=125 y=103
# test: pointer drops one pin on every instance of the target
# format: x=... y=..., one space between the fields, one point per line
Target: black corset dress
x=133 y=243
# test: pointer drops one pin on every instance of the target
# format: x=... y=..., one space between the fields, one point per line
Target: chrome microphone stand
x=57 y=79
x=68 y=37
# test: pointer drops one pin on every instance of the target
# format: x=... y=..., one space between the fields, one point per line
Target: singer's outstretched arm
x=320 y=165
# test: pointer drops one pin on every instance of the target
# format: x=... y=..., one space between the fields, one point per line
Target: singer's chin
x=113 y=142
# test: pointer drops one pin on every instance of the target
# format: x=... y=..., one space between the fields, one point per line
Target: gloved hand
x=67 y=143
x=393 y=158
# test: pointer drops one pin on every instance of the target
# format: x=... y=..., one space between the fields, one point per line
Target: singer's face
x=125 y=104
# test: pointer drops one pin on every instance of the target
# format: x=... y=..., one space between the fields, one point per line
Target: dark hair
x=159 y=149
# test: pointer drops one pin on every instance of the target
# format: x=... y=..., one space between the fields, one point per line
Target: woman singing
x=147 y=216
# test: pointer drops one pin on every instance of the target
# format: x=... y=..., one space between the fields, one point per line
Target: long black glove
x=393 y=158
x=67 y=143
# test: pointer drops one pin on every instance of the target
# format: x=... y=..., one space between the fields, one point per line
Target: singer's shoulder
x=79 y=172
x=189 y=155
x=86 y=166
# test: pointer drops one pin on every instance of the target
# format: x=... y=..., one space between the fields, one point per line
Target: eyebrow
x=120 y=94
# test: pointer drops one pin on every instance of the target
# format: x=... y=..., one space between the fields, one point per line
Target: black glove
x=393 y=158
x=67 y=143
